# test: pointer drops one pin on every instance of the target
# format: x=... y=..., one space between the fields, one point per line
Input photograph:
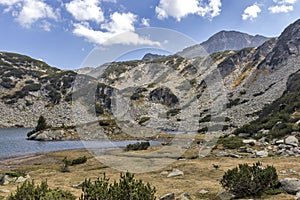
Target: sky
x=69 y=34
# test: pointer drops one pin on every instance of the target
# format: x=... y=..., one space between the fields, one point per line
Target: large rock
x=22 y=179
x=291 y=140
x=6 y=179
x=42 y=137
x=261 y=154
x=175 y=172
x=290 y=185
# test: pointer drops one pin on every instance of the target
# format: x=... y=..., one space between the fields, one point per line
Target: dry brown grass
x=198 y=173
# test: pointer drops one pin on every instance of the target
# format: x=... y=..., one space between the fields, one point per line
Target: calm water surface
x=13 y=143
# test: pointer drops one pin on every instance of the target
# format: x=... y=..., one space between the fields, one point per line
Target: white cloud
x=119 y=30
x=283 y=6
x=84 y=10
x=33 y=10
x=251 y=12
x=285 y=1
x=281 y=9
x=28 y=12
x=9 y=2
x=120 y=22
x=145 y=22
x=179 y=9
x=46 y=26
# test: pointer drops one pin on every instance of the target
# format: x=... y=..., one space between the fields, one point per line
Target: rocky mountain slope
x=216 y=93
x=222 y=41
x=29 y=88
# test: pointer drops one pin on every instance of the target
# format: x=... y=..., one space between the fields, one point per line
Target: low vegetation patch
x=127 y=188
x=231 y=143
x=137 y=146
x=251 y=181
x=30 y=191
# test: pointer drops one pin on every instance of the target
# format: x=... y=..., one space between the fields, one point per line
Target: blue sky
x=64 y=32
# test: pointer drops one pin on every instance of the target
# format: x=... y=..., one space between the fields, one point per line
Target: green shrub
x=250 y=181
x=203 y=130
x=79 y=160
x=128 y=188
x=143 y=120
x=207 y=118
x=173 y=112
x=231 y=143
x=28 y=191
x=137 y=146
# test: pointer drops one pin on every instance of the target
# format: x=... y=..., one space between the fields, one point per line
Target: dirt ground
x=198 y=173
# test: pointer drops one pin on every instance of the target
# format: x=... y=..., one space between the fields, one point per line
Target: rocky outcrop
x=13 y=178
x=151 y=56
x=164 y=96
x=55 y=135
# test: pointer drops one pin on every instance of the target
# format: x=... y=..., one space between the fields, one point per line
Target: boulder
x=170 y=196
x=5 y=180
x=290 y=185
x=261 y=154
x=42 y=137
x=291 y=140
x=175 y=172
x=22 y=179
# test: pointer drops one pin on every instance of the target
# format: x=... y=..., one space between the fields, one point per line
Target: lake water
x=13 y=143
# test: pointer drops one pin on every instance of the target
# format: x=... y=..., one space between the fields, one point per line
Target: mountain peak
x=222 y=41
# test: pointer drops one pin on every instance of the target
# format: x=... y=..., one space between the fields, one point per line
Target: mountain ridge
x=250 y=79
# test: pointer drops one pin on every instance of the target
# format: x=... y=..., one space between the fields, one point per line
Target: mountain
x=151 y=56
x=221 y=92
x=29 y=88
x=222 y=41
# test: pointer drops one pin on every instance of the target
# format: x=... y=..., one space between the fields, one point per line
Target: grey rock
x=248 y=141
x=224 y=195
x=279 y=142
x=184 y=196
x=175 y=172
x=232 y=155
x=5 y=180
x=4 y=191
x=22 y=179
x=164 y=173
x=297 y=196
x=170 y=196
x=290 y=185
x=291 y=140
x=203 y=191
x=222 y=154
x=261 y=154
x=42 y=137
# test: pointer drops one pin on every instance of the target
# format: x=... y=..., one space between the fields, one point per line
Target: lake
x=13 y=143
